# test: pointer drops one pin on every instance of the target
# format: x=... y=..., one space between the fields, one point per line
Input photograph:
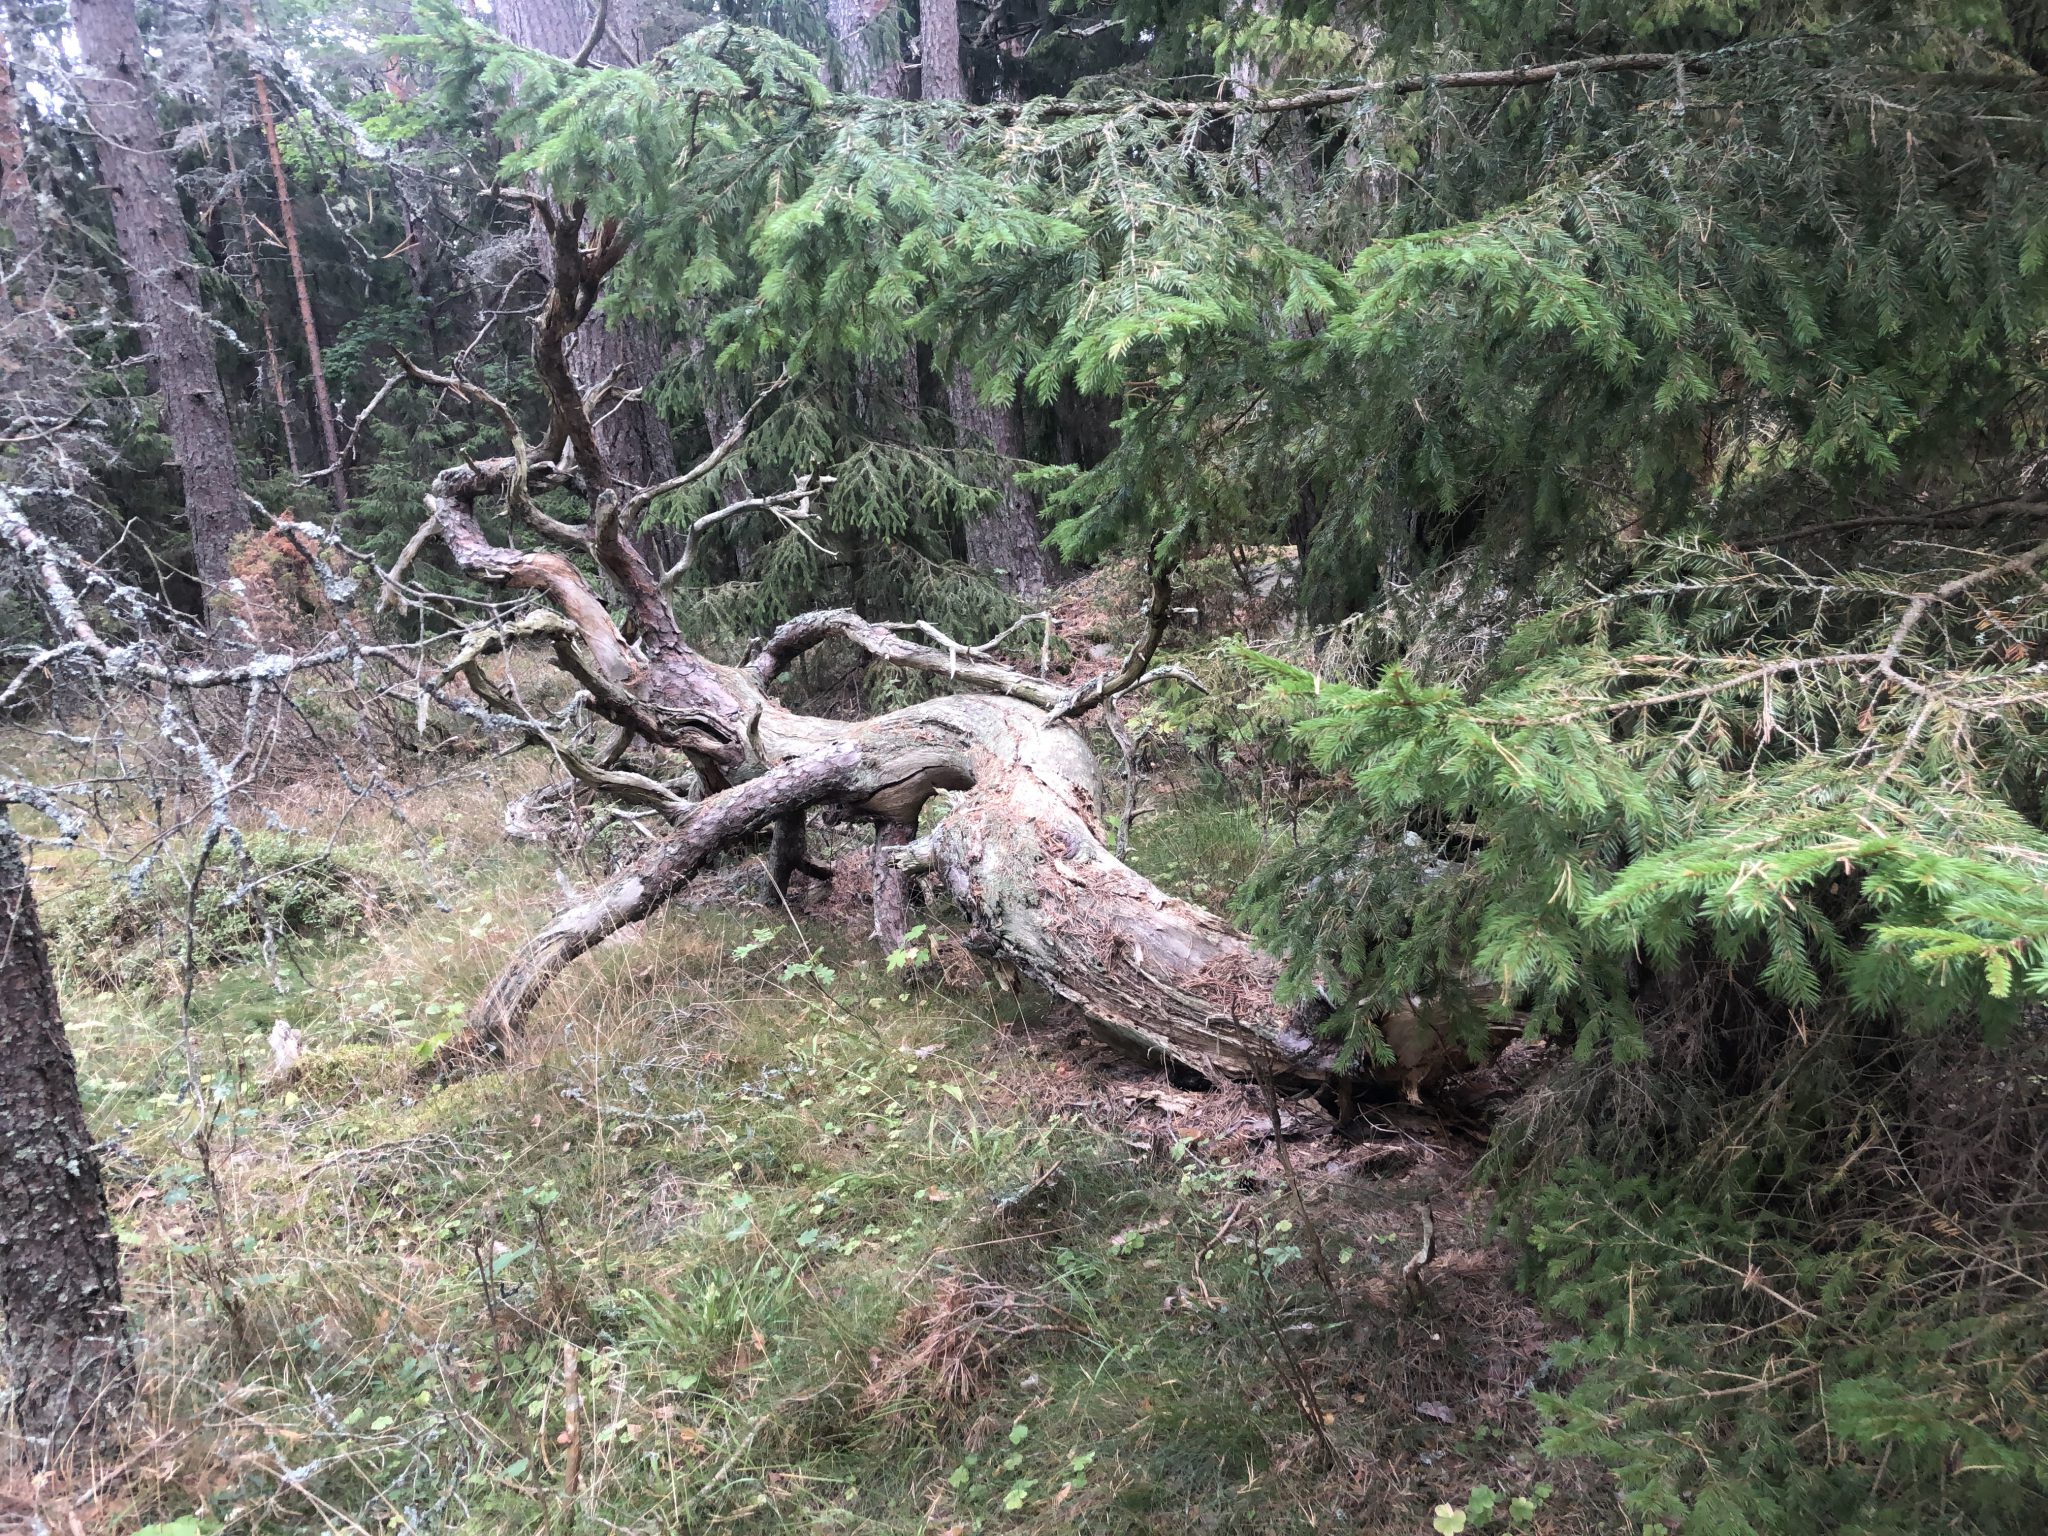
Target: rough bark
x=67 y=1360
x=149 y=226
x=863 y=64
x=288 y=224
x=17 y=197
x=1020 y=844
x=891 y=883
x=639 y=890
x=1004 y=538
x=1020 y=848
x=789 y=854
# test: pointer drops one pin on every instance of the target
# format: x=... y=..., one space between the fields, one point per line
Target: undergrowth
x=1806 y=1259
x=811 y=1248
x=126 y=928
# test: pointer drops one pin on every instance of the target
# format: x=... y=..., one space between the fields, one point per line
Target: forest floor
x=754 y=1231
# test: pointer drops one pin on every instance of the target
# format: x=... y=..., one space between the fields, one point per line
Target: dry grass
x=821 y=1243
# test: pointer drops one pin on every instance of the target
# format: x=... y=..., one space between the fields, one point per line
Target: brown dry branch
x=951 y=1344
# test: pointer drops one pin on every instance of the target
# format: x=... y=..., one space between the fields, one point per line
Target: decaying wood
x=891 y=884
x=1018 y=841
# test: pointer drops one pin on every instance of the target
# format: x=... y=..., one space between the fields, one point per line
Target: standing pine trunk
x=149 y=227
x=17 y=198
x=259 y=300
x=288 y=222
x=635 y=441
x=65 y=1351
x=863 y=64
x=1004 y=538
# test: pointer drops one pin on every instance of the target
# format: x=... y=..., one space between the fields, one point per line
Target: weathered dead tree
x=1019 y=844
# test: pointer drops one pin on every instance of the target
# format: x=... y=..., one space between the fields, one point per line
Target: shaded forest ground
x=810 y=1245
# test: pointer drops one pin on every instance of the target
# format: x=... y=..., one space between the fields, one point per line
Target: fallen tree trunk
x=1019 y=844
x=1019 y=847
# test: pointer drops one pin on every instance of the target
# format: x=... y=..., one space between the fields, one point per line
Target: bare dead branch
x=631 y=895
x=720 y=452
x=391 y=593
x=597 y=30
x=355 y=430
x=52 y=566
x=792 y=507
x=1137 y=664
x=807 y=630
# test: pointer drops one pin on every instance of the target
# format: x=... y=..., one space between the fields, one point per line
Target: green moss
x=121 y=932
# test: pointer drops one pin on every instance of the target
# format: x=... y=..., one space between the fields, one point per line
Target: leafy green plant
x=911 y=954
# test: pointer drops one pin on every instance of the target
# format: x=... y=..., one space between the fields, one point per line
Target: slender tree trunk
x=288 y=224
x=273 y=361
x=68 y=1367
x=634 y=439
x=17 y=197
x=885 y=389
x=149 y=226
x=1005 y=538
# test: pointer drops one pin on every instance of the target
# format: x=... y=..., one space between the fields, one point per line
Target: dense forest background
x=1467 y=585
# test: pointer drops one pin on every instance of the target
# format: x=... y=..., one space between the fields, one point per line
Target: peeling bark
x=1020 y=847
x=891 y=884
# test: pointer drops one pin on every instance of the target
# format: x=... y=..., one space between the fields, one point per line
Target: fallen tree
x=1019 y=844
